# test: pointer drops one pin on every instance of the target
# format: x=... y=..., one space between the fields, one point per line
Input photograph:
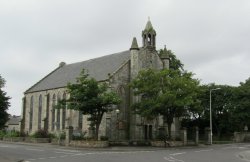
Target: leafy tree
x=167 y=92
x=242 y=105
x=4 y=104
x=223 y=109
x=91 y=98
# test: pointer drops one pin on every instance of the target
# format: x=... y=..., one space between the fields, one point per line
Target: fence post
x=196 y=135
x=69 y=133
x=184 y=134
x=208 y=136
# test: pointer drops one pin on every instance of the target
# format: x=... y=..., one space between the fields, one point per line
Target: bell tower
x=148 y=35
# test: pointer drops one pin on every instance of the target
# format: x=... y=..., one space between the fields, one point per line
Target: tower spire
x=148 y=35
x=134 y=45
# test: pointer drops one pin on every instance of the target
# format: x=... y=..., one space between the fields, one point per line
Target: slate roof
x=98 y=68
x=14 y=120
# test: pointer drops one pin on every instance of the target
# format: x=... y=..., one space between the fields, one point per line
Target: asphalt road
x=12 y=152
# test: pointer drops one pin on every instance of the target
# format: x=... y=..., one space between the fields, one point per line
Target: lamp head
x=117 y=111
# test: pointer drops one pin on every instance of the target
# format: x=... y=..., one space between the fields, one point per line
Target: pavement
x=111 y=148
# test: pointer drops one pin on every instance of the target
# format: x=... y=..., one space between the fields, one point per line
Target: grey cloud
x=210 y=37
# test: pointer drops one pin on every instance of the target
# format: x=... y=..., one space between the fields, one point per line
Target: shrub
x=162 y=137
x=104 y=138
x=178 y=139
x=62 y=135
x=2 y=133
x=12 y=134
x=80 y=136
x=41 y=134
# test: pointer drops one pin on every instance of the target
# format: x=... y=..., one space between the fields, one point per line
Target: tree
x=224 y=116
x=166 y=92
x=4 y=104
x=242 y=105
x=91 y=98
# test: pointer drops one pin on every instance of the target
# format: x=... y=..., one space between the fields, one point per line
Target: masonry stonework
x=118 y=70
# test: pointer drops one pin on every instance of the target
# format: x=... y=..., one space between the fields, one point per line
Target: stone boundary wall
x=14 y=139
x=57 y=142
x=241 y=136
x=26 y=139
x=92 y=144
x=167 y=144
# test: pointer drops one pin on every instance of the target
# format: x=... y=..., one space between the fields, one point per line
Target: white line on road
x=178 y=153
x=172 y=159
x=33 y=149
x=32 y=159
x=4 y=146
x=64 y=150
x=234 y=147
x=204 y=150
x=52 y=157
x=63 y=156
x=67 y=153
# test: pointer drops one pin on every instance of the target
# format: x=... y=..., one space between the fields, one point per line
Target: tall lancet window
x=47 y=112
x=53 y=111
x=58 y=117
x=31 y=113
x=40 y=106
x=64 y=112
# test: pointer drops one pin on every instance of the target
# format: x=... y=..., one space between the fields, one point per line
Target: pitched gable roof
x=14 y=120
x=98 y=68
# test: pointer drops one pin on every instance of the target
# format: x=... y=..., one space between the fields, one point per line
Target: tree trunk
x=97 y=131
x=97 y=125
x=169 y=129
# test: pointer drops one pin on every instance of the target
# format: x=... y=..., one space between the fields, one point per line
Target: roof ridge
x=97 y=58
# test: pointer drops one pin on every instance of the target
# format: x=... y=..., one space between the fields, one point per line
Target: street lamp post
x=210 y=109
x=117 y=123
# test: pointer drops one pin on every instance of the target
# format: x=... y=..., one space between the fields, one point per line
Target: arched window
x=149 y=39
x=31 y=112
x=47 y=112
x=122 y=106
x=58 y=121
x=144 y=40
x=40 y=105
x=64 y=112
x=53 y=111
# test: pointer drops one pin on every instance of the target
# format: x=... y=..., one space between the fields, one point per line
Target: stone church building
x=117 y=70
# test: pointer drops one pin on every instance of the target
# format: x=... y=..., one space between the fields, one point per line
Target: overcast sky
x=211 y=37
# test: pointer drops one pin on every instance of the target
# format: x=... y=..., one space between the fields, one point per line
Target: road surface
x=13 y=152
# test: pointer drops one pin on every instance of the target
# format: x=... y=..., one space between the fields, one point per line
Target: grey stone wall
x=119 y=122
x=71 y=118
x=144 y=58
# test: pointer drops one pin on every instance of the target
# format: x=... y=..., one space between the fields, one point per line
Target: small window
x=31 y=113
x=40 y=111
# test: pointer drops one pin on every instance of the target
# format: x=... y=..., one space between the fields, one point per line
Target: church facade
x=117 y=70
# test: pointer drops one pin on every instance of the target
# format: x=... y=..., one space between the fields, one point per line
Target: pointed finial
x=149 y=27
x=165 y=54
x=134 y=45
